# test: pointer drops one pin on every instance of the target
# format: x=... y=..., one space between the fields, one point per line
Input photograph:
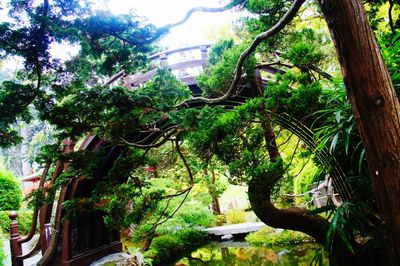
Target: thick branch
x=167 y=27
x=286 y=19
x=202 y=9
x=291 y=218
x=154 y=144
x=178 y=149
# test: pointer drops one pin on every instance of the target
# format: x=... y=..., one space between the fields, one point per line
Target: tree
x=67 y=95
x=374 y=104
x=372 y=97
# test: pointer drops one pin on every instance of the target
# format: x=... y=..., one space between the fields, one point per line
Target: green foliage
x=390 y=48
x=68 y=95
x=268 y=237
x=10 y=191
x=264 y=14
x=217 y=78
x=112 y=112
x=166 y=248
x=351 y=221
x=217 y=51
x=24 y=221
x=294 y=94
x=2 y=254
x=108 y=43
x=191 y=214
x=304 y=48
x=234 y=216
x=13 y=97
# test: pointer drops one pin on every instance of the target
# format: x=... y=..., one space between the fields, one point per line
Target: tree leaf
x=360 y=161
x=334 y=142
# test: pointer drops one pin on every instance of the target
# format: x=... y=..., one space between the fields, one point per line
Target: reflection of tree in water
x=217 y=255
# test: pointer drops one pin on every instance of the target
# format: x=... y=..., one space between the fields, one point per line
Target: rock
x=226 y=237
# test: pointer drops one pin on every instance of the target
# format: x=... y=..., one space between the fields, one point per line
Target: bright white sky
x=162 y=12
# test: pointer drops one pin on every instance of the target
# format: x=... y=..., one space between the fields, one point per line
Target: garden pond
x=242 y=254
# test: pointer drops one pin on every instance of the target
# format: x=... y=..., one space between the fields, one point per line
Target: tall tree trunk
x=215 y=202
x=375 y=106
x=211 y=190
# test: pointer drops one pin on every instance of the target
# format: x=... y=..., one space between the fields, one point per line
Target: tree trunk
x=375 y=106
x=215 y=202
x=293 y=218
x=211 y=190
x=290 y=218
x=259 y=192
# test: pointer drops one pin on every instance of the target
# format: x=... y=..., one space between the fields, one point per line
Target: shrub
x=194 y=214
x=189 y=215
x=163 y=248
x=10 y=192
x=24 y=220
x=169 y=247
x=268 y=236
x=191 y=236
x=235 y=216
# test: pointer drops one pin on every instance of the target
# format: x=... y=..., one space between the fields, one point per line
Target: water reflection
x=241 y=254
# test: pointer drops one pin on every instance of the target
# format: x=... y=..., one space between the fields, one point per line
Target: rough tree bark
x=375 y=106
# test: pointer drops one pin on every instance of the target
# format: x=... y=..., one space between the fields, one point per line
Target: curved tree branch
x=178 y=149
x=286 y=19
x=204 y=10
x=154 y=144
x=166 y=28
x=186 y=191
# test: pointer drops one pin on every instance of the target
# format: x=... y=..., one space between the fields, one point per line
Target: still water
x=242 y=254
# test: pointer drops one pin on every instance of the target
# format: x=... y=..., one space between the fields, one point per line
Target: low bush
x=188 y=216
x=24 y=221
x=191 y=236
x=195 y=215
x=268 y=236
x=10 y=191
x=235 y=216
x=166 y=248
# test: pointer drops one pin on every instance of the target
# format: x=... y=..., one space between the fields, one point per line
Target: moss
x=268 y=236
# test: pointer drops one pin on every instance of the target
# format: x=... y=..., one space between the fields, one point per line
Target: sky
x=162 y=12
